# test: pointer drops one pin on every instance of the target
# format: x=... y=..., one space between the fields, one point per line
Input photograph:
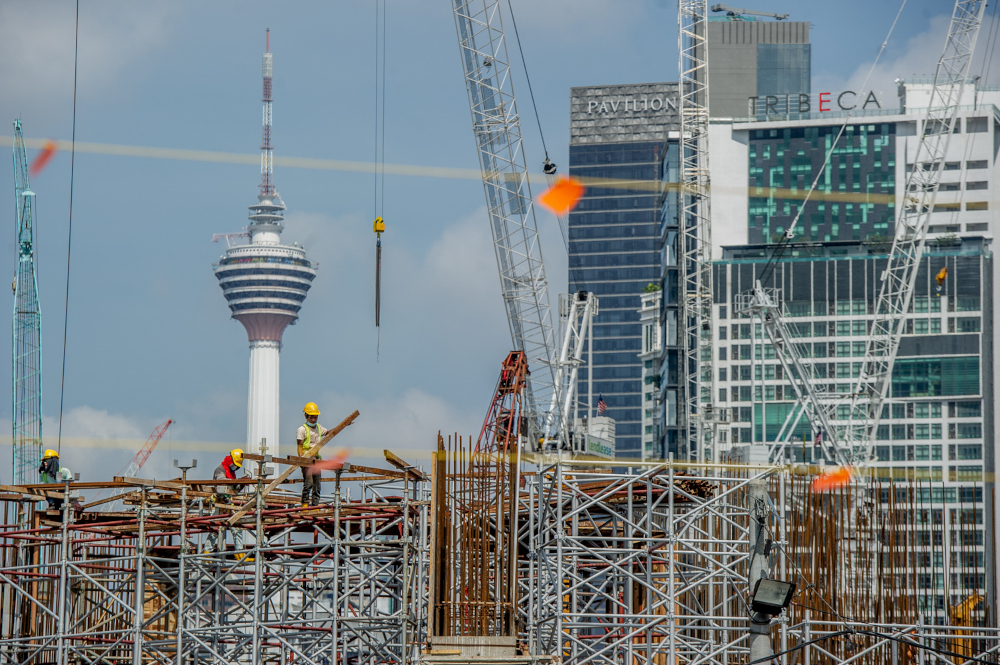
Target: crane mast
x=27 y=328
x=696 y=229
x=497 y=130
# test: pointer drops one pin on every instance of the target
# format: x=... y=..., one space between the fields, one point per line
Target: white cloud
x=84 y=422
x=917 y=57
x=457 y=272
x=37 y=42
x=405 y=423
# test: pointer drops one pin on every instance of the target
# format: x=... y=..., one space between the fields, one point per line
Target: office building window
x=935 y=377
x=864 y=162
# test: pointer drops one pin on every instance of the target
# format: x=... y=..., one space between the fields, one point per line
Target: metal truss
x=340 y=583
x=497 y=129
x=27 y=343
x=921 y=189
x=810 y=403
x=576 y=312
x=698 y=384
x=643 y=564
x=647 y=565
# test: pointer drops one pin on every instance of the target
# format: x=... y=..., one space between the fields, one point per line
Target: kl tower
x=265 y=284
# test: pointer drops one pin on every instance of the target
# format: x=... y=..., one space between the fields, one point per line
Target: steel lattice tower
x=27 y=337
x=497 y=130
x=696 y=227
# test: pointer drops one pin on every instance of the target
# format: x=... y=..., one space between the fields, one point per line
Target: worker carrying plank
x=307 y=436
x=223 y=494
x=52 y=472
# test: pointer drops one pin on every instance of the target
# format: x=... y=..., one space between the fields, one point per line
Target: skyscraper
x=265 y=284
x=757 y=66
x=619 y=132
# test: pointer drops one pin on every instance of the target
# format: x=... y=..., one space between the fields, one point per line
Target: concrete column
x=262 y=404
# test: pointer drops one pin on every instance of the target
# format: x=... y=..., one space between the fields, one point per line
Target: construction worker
x=52 y=472
x=307 y=436
x=223 y=495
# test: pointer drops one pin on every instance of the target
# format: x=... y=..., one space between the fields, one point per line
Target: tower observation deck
x=265 y=283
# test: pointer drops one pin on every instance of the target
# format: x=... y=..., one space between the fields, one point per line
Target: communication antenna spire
x=267 y=150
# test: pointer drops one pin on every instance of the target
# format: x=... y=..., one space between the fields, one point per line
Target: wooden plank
x=109 y=499
x=402 y=465
x=142 y=482
x=373 y=470
x=292 y=461
x=287 y=472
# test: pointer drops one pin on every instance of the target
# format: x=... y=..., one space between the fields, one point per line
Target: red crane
x=503 y=421
x=141 y=456
x=146 y=450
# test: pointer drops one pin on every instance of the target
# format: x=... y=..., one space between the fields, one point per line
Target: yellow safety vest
x=307 y=442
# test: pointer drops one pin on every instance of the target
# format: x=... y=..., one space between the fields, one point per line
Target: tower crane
x=27 y=349
x=497 y=130
x=900 y=275
x=696 y=229
x=737 y=13
x=855 y=438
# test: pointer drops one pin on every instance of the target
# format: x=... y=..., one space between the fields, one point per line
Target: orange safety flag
x=335 y=463
x=43 y=158
x=563 y=196
x=830 y=481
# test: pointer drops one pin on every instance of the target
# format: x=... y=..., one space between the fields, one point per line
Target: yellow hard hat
x=237 y=455
x=50 y=454
x=311 y=409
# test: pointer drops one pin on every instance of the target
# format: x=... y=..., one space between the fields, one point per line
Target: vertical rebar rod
x=63 y=576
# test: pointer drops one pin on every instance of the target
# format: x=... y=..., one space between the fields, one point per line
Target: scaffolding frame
x=642 y=564
x=313 y=586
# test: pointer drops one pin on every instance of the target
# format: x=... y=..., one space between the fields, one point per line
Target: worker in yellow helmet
x=51 y=472
x=223 y=494
x=307 y=436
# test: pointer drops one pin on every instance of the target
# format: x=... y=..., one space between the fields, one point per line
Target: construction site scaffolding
x=640 y=564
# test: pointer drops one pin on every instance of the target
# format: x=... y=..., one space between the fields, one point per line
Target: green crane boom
x=27 y=338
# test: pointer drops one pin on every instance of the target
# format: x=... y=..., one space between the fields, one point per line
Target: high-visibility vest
x=307 y=442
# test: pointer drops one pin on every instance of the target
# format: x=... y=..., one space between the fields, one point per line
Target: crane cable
x=548 y=167
x=69 y=233
x=379 y=192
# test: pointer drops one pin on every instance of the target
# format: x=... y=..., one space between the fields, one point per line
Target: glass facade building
x=784 y=69
x=618 y=132
x=935 y=438
x=614 y=253
x=784 y=162
x=757 y=65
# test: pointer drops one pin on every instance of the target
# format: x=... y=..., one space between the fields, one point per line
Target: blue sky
x=149 y=332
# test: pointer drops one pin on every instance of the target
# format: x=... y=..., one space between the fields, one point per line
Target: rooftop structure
x=753 y=63
x=265 y=283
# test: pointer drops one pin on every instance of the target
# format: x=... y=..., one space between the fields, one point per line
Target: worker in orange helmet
x=307 y=436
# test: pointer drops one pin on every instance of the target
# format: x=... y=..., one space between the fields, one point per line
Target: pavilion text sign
x=619 y=104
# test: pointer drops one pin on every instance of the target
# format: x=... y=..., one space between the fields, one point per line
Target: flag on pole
x=601 y=406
